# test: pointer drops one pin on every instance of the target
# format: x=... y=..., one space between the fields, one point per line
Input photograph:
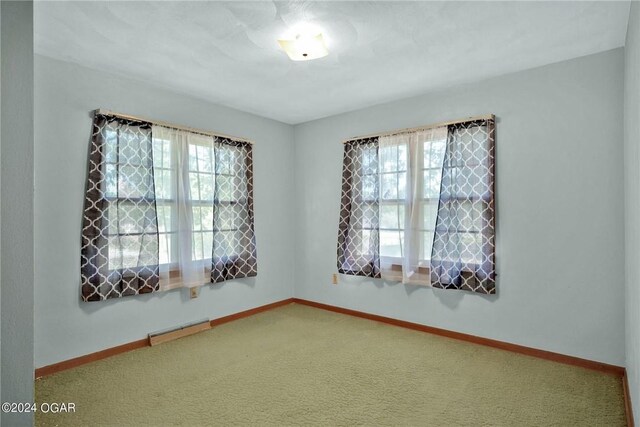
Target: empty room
x=326 y=213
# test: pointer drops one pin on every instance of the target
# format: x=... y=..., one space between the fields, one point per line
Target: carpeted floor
x=298 y=365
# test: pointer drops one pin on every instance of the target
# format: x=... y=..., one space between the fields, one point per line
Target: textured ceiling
x=226 y=52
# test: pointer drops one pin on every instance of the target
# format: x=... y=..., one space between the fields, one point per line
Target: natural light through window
x=394 y=200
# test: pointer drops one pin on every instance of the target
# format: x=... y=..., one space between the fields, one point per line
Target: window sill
x=173 y=280
x=468 y=268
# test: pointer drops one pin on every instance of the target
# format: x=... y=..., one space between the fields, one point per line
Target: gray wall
x=560 y=251
x=16 y=206
x=632 y=198
x=67 y=327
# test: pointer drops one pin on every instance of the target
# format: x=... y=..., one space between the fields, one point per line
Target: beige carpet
x=297 y=365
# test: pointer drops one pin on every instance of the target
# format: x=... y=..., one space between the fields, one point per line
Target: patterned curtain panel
x=359 y=228
x=234 y=243
x=464 y=240
x=119 y=255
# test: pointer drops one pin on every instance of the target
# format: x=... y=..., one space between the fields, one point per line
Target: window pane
x=130 y=150
x=197 y=246
x=202 y=186
x=112 y=217
x=369 y=187
x=389 y=158
x=434 y=153
x=110 y=147
x=391 y=243
x=389 y=186
x=467 y=183
x=205 y=159
x=226 y=244
x=367 y=246
x=163 y=184
x=194 y=186
x=426 y=245
x=164 y=217
x=467 y=146
x=470 y=248
x=432 y=179
x=110 y=180
x=133 y=181
x=164 y=250
x=392 y=216
x=369 y=164
x=402 y=185
x=161 y=153
x=227 y=216
x=115 y=254
x=207 y=186
x=193 y=160
x=130 y=252
x=136 y=218
x=207 y=217
x=402 y=158
x=224 y=161
x=429 y=214
x=129 y=218
x=197 y=224
x=239 y=188
x=225 y=188
x=207 y=245
x=369 y=216
x=470 y=214
x=464 y=215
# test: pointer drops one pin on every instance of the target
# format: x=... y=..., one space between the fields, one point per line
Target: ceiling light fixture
x=304 y=43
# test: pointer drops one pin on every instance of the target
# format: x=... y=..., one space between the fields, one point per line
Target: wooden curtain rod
x=427 y=127
x=104 y=112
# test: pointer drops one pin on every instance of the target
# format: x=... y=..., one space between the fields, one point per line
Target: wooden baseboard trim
x=516 y=348
x=134 y=345
x=88 y=358
x=627 y=400
x=250 y=312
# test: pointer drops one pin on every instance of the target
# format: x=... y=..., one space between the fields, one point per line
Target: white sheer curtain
x=410 y=174
x=185 y=182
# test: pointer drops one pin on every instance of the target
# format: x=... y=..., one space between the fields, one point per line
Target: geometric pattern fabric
x=234 y=242
x=119 y=254
x=358 y=229
x=463 y=251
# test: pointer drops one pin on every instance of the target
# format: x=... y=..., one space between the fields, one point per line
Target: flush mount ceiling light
x=303 y=43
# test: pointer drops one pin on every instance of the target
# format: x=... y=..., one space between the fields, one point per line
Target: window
x=164 y=208
x=410 y=172
x=393 y=193
x=184 y=165
x=202 y=192
x=424 y=213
